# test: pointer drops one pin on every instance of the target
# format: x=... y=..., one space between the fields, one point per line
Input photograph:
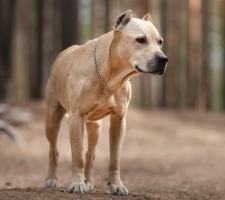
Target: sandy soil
x=166 y=155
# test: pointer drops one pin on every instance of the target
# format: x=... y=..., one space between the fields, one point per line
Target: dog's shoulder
x=67 y=51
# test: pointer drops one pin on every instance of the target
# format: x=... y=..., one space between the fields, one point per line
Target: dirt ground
x=166 y=155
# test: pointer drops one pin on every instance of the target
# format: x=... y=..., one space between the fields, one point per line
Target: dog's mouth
x=154 y=71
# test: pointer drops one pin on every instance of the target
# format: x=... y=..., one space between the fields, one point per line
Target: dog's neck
x=112 y=67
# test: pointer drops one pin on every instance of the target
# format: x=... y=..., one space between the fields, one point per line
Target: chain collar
x=98 y=71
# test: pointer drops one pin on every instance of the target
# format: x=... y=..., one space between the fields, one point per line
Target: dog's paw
x=118 y=189
x=89 y=185
x=52 y=183
x=78 y=188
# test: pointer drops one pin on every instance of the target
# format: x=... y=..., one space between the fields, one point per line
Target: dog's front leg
x=94 y=130
x=117 y=132
x=76 y=126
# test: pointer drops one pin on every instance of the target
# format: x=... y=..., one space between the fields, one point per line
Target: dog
x=91 y=81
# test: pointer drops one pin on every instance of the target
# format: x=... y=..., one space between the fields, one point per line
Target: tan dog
x=91 y=81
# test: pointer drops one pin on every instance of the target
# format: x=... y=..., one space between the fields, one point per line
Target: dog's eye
x=160 y=42
x=141 y=40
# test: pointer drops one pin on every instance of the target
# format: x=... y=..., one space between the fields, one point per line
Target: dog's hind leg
x=54 y=115
x=94 y=131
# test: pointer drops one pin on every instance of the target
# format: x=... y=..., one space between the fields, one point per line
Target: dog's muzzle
x=157 y=65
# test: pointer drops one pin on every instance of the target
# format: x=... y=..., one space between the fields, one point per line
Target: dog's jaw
x=159 y=71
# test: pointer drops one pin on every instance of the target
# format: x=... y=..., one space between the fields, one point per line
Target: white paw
x=77 y=187
x=118 y=189
x=89 y=185
x=52 y=183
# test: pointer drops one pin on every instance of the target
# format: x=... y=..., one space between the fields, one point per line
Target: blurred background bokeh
x=34 y=32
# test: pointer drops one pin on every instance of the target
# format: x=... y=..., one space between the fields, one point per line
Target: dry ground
x=166 y=155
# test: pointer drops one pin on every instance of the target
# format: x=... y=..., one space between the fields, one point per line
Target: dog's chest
x=100 y=110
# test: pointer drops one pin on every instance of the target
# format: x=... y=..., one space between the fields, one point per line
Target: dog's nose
x=162 y=59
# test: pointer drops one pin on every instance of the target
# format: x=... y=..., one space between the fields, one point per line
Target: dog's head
x=139 y=43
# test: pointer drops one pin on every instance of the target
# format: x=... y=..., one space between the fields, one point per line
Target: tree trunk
x=204 y=84
x=46 y=41
x=183 y=50
x=34 y=45
x=6 y=18
x=157 y=82
x=114 y=11
x=19 y=87
x=57 y=40
x=70 y=24
x=126 y=5
x=163 y=23
x=171 y=44
x=194 y=52
x=107 y=16
x=223 y=34
x=98 y=18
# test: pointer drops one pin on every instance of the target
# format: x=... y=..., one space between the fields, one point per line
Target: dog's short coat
x=75 y=87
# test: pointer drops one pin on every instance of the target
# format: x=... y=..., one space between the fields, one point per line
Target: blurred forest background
x=34 y=32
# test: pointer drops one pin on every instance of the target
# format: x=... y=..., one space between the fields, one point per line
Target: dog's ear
x=123 y=20
x=147 y=17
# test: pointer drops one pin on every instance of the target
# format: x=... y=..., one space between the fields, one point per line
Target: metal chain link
x=98 y=71
x=99 y=74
